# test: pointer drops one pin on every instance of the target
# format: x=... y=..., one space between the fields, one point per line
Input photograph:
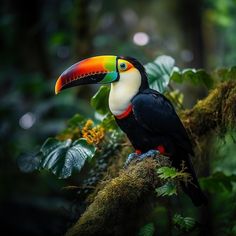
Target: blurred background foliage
x=39 y=39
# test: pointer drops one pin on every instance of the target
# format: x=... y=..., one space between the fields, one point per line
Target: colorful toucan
x=146 y=116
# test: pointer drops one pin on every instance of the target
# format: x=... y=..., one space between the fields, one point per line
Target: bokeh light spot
x=186 y=55
x=141 y=38
x=27 y=120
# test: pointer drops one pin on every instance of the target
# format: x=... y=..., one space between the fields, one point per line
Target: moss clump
x=216 y=112
x=120 y=201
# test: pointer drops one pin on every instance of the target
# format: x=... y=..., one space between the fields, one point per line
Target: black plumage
x=153 y=122
x=150 y=122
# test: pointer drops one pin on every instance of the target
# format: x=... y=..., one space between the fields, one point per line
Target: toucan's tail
x=192 y=189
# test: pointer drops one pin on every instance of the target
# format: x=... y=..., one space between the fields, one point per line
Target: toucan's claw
x=135 y=156
x=131 y=157
x=150 y=153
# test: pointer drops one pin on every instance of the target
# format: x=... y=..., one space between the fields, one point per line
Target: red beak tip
x=58 y=86
x=57 y=91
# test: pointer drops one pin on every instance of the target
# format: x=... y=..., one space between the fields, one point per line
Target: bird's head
x=102 y=70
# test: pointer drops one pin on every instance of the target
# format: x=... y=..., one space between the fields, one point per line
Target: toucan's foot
x=135 y=156
x=150 y=153
x=132 y=156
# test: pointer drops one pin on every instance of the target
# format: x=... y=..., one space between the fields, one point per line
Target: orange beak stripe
x=92 y=68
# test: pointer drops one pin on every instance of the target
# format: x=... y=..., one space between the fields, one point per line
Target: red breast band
x=125 y=113
x=138 y=152
x=161 y=149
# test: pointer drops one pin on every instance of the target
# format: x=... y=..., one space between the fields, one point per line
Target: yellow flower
x=93 y=135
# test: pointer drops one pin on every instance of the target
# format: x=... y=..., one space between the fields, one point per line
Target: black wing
x=155 y=112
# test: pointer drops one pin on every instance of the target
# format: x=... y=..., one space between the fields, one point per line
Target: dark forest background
x=39 y=39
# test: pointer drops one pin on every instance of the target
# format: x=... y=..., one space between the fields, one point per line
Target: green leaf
x=233 y=230
x=109 y=122
x=176 y=75
x=185 y=224
x=167 y=189
x=28 y=162
x=147 y=230
x=76 y=121
x=167 y=172
x=159 y=72
x=100 y=100
x=196 y=77
x=225 y=74
x=176 y=97
x=62 y=157
x=205 y=78
x=218 y=182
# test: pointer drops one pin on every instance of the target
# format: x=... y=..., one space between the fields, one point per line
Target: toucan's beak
x=100 y=69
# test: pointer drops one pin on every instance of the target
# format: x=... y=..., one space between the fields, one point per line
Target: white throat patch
x=124 y=90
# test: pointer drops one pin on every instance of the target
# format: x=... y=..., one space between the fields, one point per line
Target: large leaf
x=168 y=189
x=166 y=172
x=100 y=100
x=62 y=157
x=28 y=162
x=218 y=182
x=76 y=121
x=185 y=224
x=159 y=72
x=196 y=77
x=147 y=230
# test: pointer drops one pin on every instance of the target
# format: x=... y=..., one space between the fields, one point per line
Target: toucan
x=146 y=116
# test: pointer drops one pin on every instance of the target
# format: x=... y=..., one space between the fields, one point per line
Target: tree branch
x=216 y=112
x=118 y=205
x=115 y=208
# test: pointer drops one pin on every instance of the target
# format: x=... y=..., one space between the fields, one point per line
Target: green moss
x=216 y=112
x=120 y=201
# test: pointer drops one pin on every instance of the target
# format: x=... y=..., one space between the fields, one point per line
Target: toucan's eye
x=123 y=66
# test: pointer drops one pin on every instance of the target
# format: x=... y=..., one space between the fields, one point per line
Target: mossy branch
x=117 y=204
x=217 y=112
x=120 y=201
